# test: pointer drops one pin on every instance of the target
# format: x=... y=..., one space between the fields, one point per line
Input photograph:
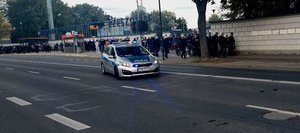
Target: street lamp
x=161 y=31
x=138 y=22
x=21 y=29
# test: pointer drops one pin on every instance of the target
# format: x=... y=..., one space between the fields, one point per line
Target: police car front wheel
x=103 y=69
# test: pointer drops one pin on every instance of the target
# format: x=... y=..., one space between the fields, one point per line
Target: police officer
x=231 y=45
x=183 y=45
x=166 y=44
x=215 y=43
x=222 y=43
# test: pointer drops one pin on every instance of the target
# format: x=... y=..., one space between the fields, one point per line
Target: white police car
x=126 y=59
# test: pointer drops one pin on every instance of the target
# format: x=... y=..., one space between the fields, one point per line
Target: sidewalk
x=269 y=62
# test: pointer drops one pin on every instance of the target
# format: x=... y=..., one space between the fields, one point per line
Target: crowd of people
x=18 y=49
x=221 y=45
x=183 y=45
x=188 y=45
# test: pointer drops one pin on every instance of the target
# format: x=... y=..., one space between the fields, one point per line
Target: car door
x=111 y=60
x=105 y=59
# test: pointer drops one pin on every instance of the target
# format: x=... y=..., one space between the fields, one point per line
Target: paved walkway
x=271 y=62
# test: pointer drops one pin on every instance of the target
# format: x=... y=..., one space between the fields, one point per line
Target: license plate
x=141 y=69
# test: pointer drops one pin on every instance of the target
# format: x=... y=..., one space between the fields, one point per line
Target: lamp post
x=50 y=18
x=161 y=31
x=138 y=22
x=21 y=23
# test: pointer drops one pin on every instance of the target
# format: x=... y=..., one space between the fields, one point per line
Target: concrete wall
x=276 y=35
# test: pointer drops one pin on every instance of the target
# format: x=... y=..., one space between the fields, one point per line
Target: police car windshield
x=131 y=51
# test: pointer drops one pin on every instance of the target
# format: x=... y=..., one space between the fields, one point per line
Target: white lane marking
x=51 y=63
x=236 y=78
x=273 y=110
x=33 y=72
x=9 y=68
x=18 y=101
x=140 y=89
x=67 y=121
x=72 y=78
x=176 y=73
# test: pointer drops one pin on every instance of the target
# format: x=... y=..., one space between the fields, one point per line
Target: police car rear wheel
x=103 y=69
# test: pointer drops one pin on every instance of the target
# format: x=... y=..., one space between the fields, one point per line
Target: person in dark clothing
x=223 y=45
x=215 y=43
x=166 y=45
x=156 y=46
x=231 y=45
x=210 y=44
x=183 y=45
x=196 y=46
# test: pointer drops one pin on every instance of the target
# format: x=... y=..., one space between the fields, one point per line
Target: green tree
x=168 y=21
x=85 y=13
x=1 y=17
x=5 y=30
x=141 y=25
x=214 y=17
x=143 y=15
x=245 y=9
x=181 y=23
x=201 y=9
x=62 y=14
x=27 y=17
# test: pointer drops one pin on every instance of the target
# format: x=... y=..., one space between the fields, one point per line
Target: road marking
x=140 y=89
x=72 y=78
x=236 y=78
x=273 y=110
x=66 y=107
x=33 y=72
x=9 y=68
x=51 y=63
x=18 y=101
x=67 y=121
x=176 y=73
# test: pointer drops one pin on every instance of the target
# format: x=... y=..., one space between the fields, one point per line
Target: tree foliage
x=181 y=23
x=30 y=16
x=62 y=14
x=140 y=27
x=245 y=9
x=27 y=17
x=214 y=17
x=5 y=30
x=85 y=13
x=168 y=21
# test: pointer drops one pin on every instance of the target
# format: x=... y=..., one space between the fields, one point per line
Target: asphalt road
x=40 y=94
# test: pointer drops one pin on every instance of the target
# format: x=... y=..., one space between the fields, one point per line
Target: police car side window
x=112 y=51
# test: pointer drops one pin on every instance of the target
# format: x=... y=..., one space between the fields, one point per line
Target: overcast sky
x=122 y=8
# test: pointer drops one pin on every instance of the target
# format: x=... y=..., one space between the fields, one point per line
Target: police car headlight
x=156 y=61
x=124 y=64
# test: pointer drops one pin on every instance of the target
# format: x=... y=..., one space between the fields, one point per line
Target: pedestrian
x=183 y=45
x=156 y=46
x=215 y=45
x=97 y=46
x=210 y=44
x=223 y=45
x=166 y=46
x=196 y=46
x=231 y=45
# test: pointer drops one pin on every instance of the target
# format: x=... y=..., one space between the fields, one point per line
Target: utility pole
x=50 y=18
x=138 y=22
x=161 y=32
